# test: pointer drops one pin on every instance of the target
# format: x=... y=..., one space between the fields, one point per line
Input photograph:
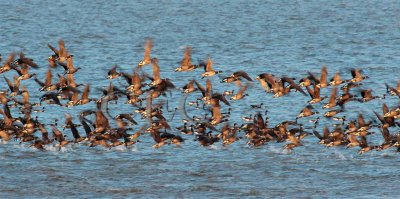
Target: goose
x=147 y=53
x=208 y=69
x=186 y=63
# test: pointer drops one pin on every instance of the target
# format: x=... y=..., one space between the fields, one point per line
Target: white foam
x=120 y=148
x=214 y=147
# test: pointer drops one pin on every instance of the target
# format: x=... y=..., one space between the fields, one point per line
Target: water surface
x=279 y=37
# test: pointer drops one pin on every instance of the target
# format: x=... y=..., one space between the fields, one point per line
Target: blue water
x=278 y=37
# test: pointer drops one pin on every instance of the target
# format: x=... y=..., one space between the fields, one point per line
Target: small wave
x=279 y=150
x=214 y=147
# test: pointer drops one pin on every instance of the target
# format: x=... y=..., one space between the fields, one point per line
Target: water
x=279 y=37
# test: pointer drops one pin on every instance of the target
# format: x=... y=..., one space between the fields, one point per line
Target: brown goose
x=315 y=95
x=147 y=51
x=85 y=96
x=206 y=92
x=112 y=73
x=207 y=139
x=136 y=135
x=54 y=57
x=363 y=126
x=135 y=83
x=69 y=124
x=189 y=87
x=386 y=121
x=177 y=140
x=306 y=112
x=26 y=105
x=397 y=143
x=156 y=72
x=344 y=98
x=267 y=81
x=157 y=138
x=62 y=81
x=216 y=98
x=61 y=54
x=100 y=141
x=228 y=134
x=71 y=80
x=8 y=119
x=186 y=63
x=52 y=61
x=3 y=98
x=23 y=61
x=240 y=95
x=332 y=113
x=8 y=63
x=5 y=136
x=85 y=124
x=161 y=88
x=14 y=87
x=125 y=117
x=208 y=69
x=346 y=88
x=395 y=113
x=45 y=133
x=23 y=72
x=322 y=81
x=216 y=114
x=59 y=137
x=393 y=91
x=367 y=96
x=69 y=66
x=306 y=81
x=102 y=124
x=389 y=140
x=185 y=130
x=338 y=137
x=332 y=99
x=236 y=76
x=357 y=77
x=364 y=145
x=280 y=89
x=73 y=96
x=352 y=139
x=336 y=80
x=294 y=142
x=325 y=137
x=47 y=85
x=51 y=98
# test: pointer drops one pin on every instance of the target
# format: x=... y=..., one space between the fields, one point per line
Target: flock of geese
x=148 y=95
